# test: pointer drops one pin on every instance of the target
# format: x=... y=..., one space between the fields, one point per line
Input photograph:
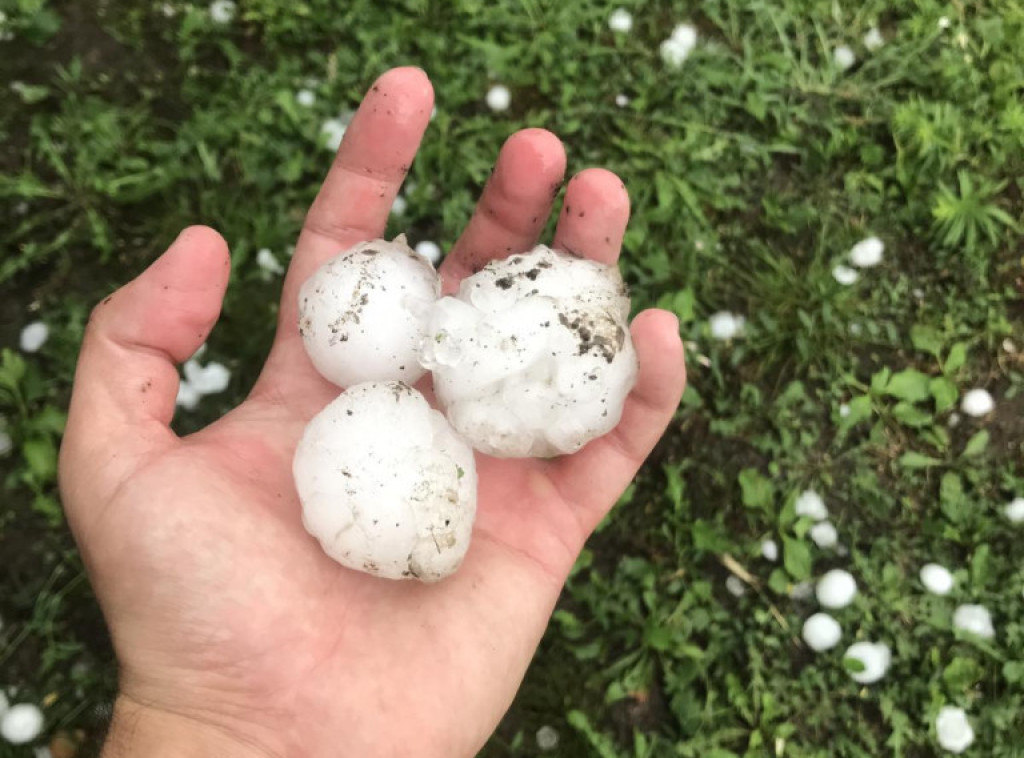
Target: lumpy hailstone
x=385 y=485
x=810 y=504
x=821 y=632
x=875 y=659
x=361 y=314
x=974 y=619
x=21 y=723
x=953 y=730
x=533 y=356
x=977 y=403
x=936 y=579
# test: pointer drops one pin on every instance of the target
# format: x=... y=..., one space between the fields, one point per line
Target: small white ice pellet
x=836 y=589
x=268 y=262
x=824 y=534
x=810 y=504
x=621 y=100
x=873 y=39
x=1015 y=510
x=936 y=579
x=975 y=619
x=725 y=326
x=875 y=657
x=399 y=206
x=977 y=403
x=498 y=98
x=429 y=250
x=845 y=275
x=332 y=131
x=770 y=550
x=952 y=729
x=34 y=336
x=222 y=11
x=621 y=20
x=306 y=98
x=209 y=379
x=547 y=738
x=735 y=586
x=867 y=252
x=677 y=48
x=843 y=57
x=188 y=397
x=821 y=632
x=21 y=723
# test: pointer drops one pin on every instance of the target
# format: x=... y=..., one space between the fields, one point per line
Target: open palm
x=235 y=633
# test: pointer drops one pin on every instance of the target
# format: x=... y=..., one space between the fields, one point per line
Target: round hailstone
x=621 y=20
x=735 y=586
x=944 y=22
x=845 y=275
x=843 y=57
x=873 y=39
x=332 y=131
x=867 y=252
x=875 y=659
x=222 y=11
x=498 y=98
x=836 y=589
x=844 y=410
x=306 y=98
x=824 y=534
x=399 y=205
x=268 y=262
x=952 y=729
x=533 y=356
x=810 y=504
x=621 y=100
x=821 y=632
x=430 y=250
x=385 y=484
x=34 y=336
x=361 y=315
x=977 y=403
x=21 y=723
x=1015 y=510
x=547 y=738
x=725 y=326
x=936 y=579
x=770 y=550
x=974 y=619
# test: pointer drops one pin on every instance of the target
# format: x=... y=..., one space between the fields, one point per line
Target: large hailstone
x=21 y=723
x=836 y=589
x=953 y=730
x=533 y=356
x=361 y=314
x=875 y=659
x=821 y=632
x=386 y=486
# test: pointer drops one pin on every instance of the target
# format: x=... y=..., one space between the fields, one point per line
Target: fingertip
x=594 y=215
x=661 y=355
x=405 y=95
x=530 y=159
x=198 y=259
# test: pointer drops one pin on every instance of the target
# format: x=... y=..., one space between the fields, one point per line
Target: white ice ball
x=936 y=579
x=952 y=729
x=209 y=379
x=1015 y=510
x=845 y=275
x=810 y=504
x=875 y=659
x=844 y=57
x=824 y=534
x=621 y=20
x=34 y=336
x=770 y=550
x=385 y=484
x=873 y=39
x=361 y=315
x=498 y=98
x=21 y=723
x=836 y=589
x=725 y=326
x=821 y=632
x=977 y=403
x=867 y=252
x=533 y=356
x=430 y=250
x=975 y=619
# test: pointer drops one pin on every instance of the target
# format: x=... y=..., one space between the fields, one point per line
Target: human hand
x=235 y=634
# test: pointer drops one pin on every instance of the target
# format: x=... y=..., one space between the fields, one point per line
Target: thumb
x=126 y=380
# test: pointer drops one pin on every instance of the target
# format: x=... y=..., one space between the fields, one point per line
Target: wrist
x=139 y=730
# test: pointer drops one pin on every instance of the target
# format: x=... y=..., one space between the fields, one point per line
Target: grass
x=753 y=169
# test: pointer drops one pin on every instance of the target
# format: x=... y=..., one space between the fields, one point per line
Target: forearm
x=141 y=732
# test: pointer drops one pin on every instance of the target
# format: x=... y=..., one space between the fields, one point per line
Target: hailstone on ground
x=361 y=314
x=385 y=485
x=975 y=619
x=936 y=579
x=821 y=632
x=875 y=659
x=836 y=589
x=21 y=723
x=533 y=355
x=953 y=730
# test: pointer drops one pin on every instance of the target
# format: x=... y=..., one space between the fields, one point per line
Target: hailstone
x=385 y=485
x=875 y=659
x=361 y=314
x=532 y=356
